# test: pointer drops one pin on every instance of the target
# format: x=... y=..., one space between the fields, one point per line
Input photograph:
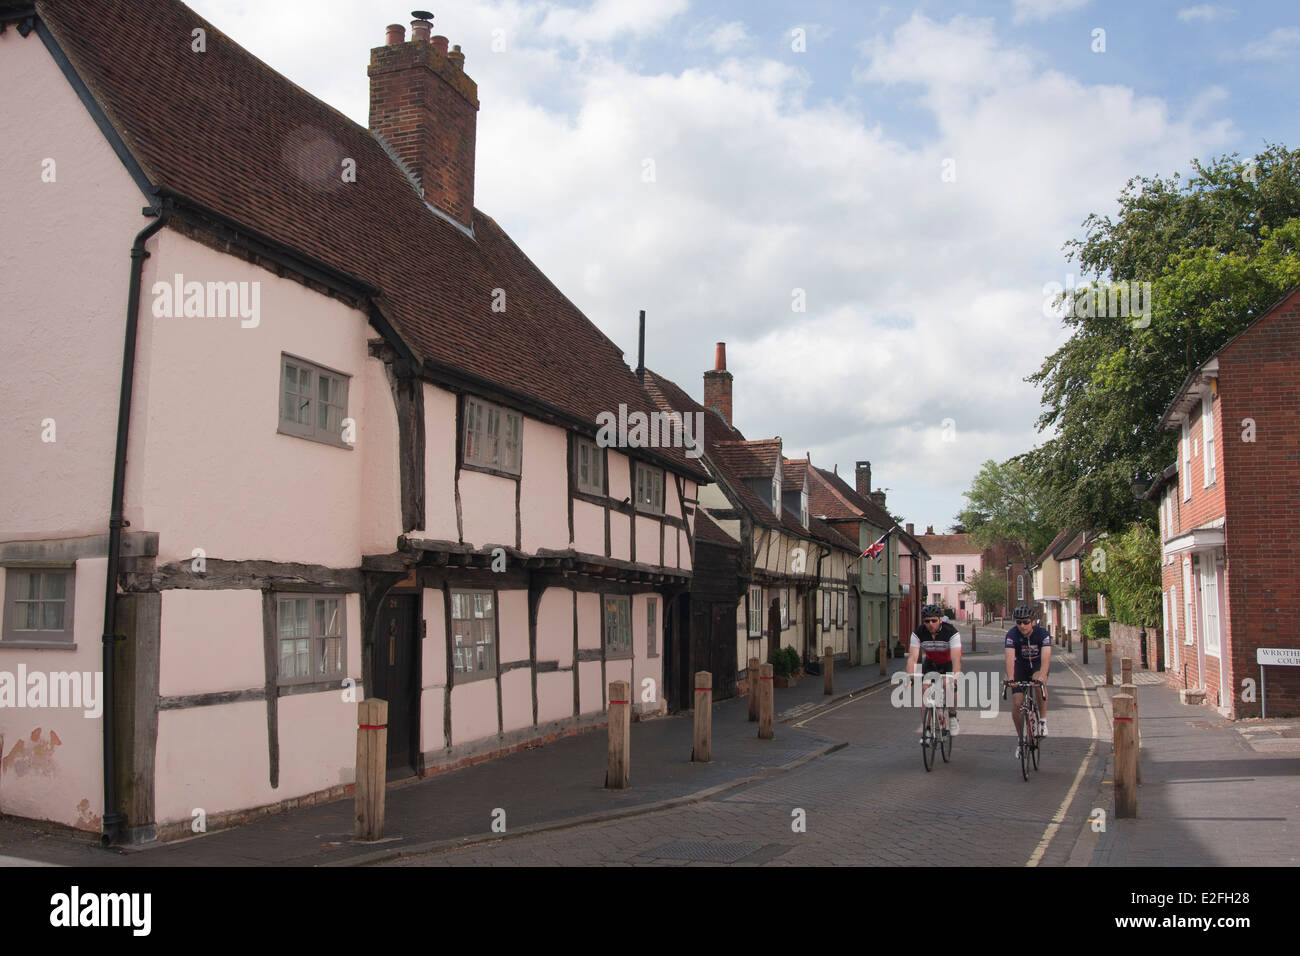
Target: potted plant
x=785 y=666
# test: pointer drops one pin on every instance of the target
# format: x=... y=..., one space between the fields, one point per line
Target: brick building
x=1229 y=509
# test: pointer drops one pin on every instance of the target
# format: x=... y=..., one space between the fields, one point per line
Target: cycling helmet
x=931 y=610
x=1025 y=612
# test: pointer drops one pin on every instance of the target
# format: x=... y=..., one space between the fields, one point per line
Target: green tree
x=1217 y=249
x=1008 y=502
x=1125 y=569
x=988 y=587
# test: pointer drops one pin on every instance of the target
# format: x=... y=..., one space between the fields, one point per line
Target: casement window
x=755 y=612
x=38 y=605
x=1020 y=587
x=934 y=573
x=588 y=467
x=803 y=508
x=1169 y=514
x=312 y=630
x=652 y=626
x=1210 y=604
x=474 y=635
x=1186 y=470
x=826 y=610
x=494 y=436
x=961 y=572
x=1207 y=438
x=839 y=608
x=617 y=625
x=313 y=401
x=785 y=609
x=650 y=488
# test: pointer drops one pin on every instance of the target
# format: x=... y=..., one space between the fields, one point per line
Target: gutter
x=113 y=817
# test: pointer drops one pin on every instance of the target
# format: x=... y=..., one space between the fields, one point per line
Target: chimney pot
x=420 y=30
x=439 y=44
x=717 y=385
x=910 y=526
x=457 y=57
x=395 y=35
x=720 y=357
x=929 y=529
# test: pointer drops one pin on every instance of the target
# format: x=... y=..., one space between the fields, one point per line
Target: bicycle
x=1028 y=743
x=935 y=733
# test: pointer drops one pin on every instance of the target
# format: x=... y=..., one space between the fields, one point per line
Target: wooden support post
x=703 y=750
x=1125 y=756
x=972 y=637
x=1126 y=670
x=1110 y=667
x=884 y=663
x=828 y=670
x=1128 y=687
x=620 y=735
x=372 y=768
x=753 y=688
x=765 y=702
x=1083 y=636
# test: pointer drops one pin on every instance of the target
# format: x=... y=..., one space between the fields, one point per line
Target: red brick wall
x=1258 y=380
x=424 y=106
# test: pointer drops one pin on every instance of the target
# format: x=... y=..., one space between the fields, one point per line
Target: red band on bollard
x=698 y=689
x=1124 y=718
x=618 y=702
x=372 y=726
x=765 y=678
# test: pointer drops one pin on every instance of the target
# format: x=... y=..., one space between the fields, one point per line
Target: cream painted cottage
x=289 y=415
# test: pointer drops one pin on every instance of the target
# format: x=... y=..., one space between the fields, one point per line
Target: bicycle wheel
x=945 y=740
x=928 y=742
x=1025 y=743
x=1034 y=751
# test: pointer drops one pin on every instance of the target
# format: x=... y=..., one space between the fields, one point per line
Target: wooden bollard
x=1110 y=667
x=1125 y=756
x=372 y=768
x=1083 y=637
x=620 y=735
x=765 y=702
x=1126 y=670
x=703 y=750
x=828 y=670
x=972 y=638
x=753 y=688
x=1128 y=687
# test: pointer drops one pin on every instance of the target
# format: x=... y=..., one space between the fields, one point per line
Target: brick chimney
x=929 y=529
x=863 y=479
x=878 y=497
x=425 y=108
x=910 y=526
x=717 y=384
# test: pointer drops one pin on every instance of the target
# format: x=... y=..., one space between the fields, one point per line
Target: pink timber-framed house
x=292 y=415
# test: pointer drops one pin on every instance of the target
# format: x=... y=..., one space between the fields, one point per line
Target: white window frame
x=961 y=574
x=324 y=633
x=1207 y=439
x=1209 y=572
x=1186 y=471
x=936 y=574
x=776 y=496
x=755 y=612
x=649 y=487
x=492 y=437
x=785 y=608
x=305 y=402
x=803 y=508
x=10 y=633
x=587 y=452
x=1020 y=587
x=1189 y=632
x=477 y=608
x=826 y=610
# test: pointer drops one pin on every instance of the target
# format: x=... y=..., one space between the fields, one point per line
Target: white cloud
x=1030 y=10
x=1277 y=44
x=1206 y=13
x=721 y=38
x=605 y=20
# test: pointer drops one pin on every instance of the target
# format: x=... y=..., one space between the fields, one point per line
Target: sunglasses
x=931 y=620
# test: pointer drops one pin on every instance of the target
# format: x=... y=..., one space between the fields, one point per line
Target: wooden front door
x=852 y=623
x=394 y=667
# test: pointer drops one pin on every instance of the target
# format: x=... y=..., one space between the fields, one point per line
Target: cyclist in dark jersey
x=940 y=644
x=1029 y=657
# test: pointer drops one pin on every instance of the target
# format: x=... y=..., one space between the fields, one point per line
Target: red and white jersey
x=937 y=647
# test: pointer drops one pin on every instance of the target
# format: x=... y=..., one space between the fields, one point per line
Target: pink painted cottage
x=292 y=423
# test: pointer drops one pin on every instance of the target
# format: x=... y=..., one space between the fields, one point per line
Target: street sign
x=1284 y=656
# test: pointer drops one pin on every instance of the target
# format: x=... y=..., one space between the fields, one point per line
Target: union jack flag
x=878 y=548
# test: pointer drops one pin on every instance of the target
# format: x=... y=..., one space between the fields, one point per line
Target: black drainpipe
x=113 y=817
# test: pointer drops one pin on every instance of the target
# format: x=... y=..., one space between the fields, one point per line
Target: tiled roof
x=949 y=544
x=707 y=530
x=750 y=459
x=670 y=397
x=224 y=132
x=834 y=497
x=1054 y=548
x=793 y=472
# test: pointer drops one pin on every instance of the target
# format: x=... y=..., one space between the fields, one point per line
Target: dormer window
x=776 y=496
x=803 y=507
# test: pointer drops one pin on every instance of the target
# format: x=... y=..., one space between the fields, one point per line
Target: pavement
x=557 y=785
x=1214 y=792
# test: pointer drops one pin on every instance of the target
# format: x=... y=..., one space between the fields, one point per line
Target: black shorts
x=1026 y=672
x=928 y=666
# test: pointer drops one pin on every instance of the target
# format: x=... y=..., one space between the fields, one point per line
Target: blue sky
x=823 y=170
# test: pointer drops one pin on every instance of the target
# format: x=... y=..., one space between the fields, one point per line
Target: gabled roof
x=750 y=459
x=670 y=397
x=708 y=531
x=1188 y=392
x=1167 y=477
x=794 y=471
x=1053 y=550
x=938 y=544
x=229 y=139
x=832 y=496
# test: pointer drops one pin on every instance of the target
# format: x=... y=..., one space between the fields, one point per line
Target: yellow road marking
x=1059 y=817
